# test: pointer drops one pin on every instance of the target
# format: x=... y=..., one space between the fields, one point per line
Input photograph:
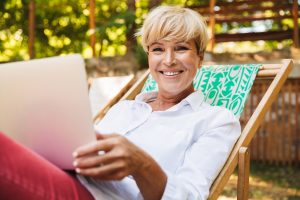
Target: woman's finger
x=102 y=171
x=99 y=136
x=115 y=176
x=88 y=161
x=93 y=147
x=95 y=159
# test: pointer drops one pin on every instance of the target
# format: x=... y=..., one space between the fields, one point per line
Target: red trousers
x=26 y=175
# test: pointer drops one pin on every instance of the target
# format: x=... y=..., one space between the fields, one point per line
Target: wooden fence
x=277 y=141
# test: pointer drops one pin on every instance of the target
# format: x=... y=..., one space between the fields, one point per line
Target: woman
x=163 y=145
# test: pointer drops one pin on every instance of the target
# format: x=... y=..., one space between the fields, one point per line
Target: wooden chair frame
x=239 y=154
x=280 y=73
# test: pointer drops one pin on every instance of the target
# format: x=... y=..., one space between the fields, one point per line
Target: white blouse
x=190 y=141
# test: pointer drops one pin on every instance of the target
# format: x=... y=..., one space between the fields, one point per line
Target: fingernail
x=77 y=170
x=101 y=152
x=75 y=163
x=75 y=154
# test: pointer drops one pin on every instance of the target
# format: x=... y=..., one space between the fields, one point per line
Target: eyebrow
x=159 y=43
x=155 y=43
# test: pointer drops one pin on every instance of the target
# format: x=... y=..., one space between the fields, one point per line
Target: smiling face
x=174 y=64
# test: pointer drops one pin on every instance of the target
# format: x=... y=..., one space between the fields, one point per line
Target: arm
x=204 y=159
x=121 y=158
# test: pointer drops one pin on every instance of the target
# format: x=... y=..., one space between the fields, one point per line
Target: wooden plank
x=261 y=17
x=251 y=100
x=259 y=130
x=31 y=28
x=283 y=135
x=297 y=129
x=270 y=35
x=243 y=174
x=137 y=87
x=92 y=27
x=277 y=139
x=273 y=130
x=259 y=133
x=289 y=144
x=256 y=136
x=250 y=2
x=270 y=133
x=252 y=10
x=211 y=25
x=294 y=127
x=263 y=130
x=253 y=103
x=238 y=3
x=267 y=72
x=270 y=66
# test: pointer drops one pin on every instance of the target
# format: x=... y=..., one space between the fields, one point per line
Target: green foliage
x=62 y=27
x=175 y=2
x=13 y=44
x=56 y=23
x=113 y=22
x=63 y=30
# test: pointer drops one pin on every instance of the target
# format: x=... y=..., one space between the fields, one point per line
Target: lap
x=26 y=175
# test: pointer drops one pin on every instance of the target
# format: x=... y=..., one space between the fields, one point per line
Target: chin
x=171 y=91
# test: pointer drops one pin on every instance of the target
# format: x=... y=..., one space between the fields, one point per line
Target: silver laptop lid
x=44 y=105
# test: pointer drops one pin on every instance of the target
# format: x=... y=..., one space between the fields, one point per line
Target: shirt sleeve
x=204 y=159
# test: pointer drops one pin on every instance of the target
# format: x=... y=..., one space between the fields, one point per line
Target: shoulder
x=121 y=109
x=216 y=110
x=115 y=117
x=217 y=115
x=121 y=106
x=124 y=116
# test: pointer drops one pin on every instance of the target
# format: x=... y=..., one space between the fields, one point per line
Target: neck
x=165 y=101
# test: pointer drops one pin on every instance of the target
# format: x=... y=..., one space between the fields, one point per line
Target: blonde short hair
x=174 y=23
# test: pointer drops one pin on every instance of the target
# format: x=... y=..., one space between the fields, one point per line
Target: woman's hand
x=111 y=157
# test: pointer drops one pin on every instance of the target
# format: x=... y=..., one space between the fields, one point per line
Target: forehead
x=172 y=43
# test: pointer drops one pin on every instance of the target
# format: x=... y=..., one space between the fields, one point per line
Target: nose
x=169 y=58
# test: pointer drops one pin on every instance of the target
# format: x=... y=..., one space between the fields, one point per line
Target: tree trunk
x=131 y=40
x=31 y=28
x=154 y=3
x=92 y=27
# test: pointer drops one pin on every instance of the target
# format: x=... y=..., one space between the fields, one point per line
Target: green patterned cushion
x=221 y=85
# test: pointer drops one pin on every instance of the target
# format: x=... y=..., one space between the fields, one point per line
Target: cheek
x=153 y=61
x=191 y=63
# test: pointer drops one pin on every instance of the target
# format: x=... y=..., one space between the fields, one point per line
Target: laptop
x=44 y=105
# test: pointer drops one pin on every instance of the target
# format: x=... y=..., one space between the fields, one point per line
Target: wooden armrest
x=243 y=174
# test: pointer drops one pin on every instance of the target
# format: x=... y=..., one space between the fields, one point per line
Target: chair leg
x=243 y=174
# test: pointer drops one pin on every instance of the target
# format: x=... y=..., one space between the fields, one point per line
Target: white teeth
x=170 y=73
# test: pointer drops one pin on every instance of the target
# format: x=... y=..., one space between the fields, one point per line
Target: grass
x=268 y=182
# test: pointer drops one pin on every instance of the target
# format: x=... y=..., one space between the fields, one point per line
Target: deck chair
x=229 y=86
